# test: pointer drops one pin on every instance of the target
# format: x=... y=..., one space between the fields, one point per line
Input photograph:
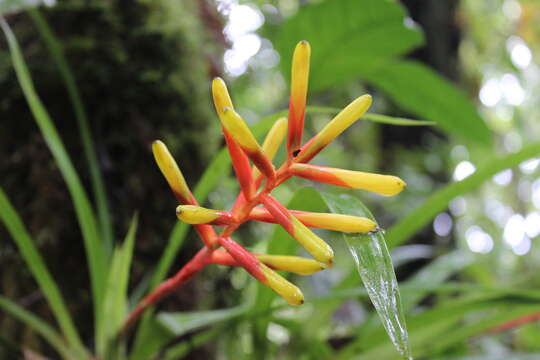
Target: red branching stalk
x=243 y=148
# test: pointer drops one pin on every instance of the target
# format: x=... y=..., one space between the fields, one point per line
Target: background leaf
x=36 y=324
x=115 y=302
x=98 y=186
x=347 y=37
x=34 y=261
x=421 y=91
x=95 y=252
x=13 y=6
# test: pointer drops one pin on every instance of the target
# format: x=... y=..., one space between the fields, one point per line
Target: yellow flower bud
x=383 y=184
x=169 y=168
x=238 y=129
x=336 y=222
x=221 y=96
x=294 y=264
x=279 y=284
x=335 y=127
x=196 y=214
x=273 y=140
x=313 y=244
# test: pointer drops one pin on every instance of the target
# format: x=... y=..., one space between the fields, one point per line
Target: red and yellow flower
x=254 y=201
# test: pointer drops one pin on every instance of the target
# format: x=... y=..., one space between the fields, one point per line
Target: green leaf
x=376 y=118
x=181 y=323
x=435 y=273
x=376 y=270
x=38 y=325
x=96 y=178
x=420 y=90
x=443 y=326
x=39 y=270
x=14 y=6
x=94 y=248
x=154 y=337
x=347 y=38
x=179 y=350
x=115 y=302
x=416 y=219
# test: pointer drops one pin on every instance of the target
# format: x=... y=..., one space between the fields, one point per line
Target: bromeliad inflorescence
x=255 y=201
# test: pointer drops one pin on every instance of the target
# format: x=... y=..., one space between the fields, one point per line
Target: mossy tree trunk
x=143 y=69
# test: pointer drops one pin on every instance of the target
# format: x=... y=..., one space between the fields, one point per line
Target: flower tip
x=303 y=43
x=217 y=81
x=157 y=145
x=295 y=299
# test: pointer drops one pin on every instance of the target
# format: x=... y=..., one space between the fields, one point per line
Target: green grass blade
x=436 y=272
x=96 y=178
x=39 y=270
x=115 y=301
x=94 y=249
x=178 y=351
x=413 y=221
x=36 y=324
x=183 y=323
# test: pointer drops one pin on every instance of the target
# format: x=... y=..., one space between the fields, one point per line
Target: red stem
x=196 y=264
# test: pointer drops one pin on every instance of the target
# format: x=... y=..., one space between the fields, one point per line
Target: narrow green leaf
x=94 y=250
x=38 y=325
x=443 y=325
x=33 y=259
x=14 y=6
x=347 y=37
x=179 y=350
x=96 y=178
x=376 y=118
x=420 y=90
x=183 y=322
x=435 y=273
x=155 y=337
x=115 y=301
x=376 y=270
x=413 y=221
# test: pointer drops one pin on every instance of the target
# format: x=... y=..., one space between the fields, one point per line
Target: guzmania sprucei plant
x=255 y=202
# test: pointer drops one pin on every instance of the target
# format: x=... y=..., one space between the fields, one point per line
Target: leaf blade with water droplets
x=376 y=270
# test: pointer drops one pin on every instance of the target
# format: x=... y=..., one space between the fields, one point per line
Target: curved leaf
x=347 y=37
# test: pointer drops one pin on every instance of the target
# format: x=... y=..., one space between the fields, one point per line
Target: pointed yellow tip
x=220 y=95
x=170 y=170
x=192 y=214
x=294 y=264
x=400 y=184
x=283 y=287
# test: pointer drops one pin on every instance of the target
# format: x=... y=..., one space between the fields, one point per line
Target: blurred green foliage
x=463 y=234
